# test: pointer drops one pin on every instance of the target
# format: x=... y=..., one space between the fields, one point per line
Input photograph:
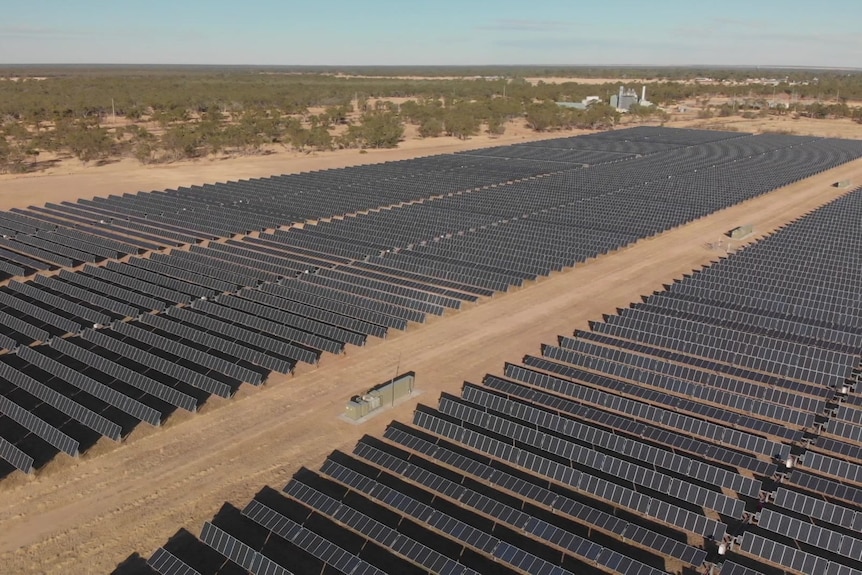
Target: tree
x=182 y=141
x=600 y=117
x=461 y=121
x=337 y=115
x=412 y=111
x=134 y=113
x=11 y=157
x=431 y=128
x=88 y=141
x=5 y=152
x=33 y=153
x=299 y=138
x=380 y=129
x=145 y=152
x=544 y=116
x=319 y=138
x=496 y=126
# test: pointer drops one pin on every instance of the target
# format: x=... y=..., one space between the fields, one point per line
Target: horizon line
x=538 y=65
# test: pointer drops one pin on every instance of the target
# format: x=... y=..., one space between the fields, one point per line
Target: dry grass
x=841 y=128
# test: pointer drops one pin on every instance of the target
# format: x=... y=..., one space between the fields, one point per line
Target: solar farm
x=713 y=426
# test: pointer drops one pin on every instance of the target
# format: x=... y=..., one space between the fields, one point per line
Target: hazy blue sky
x=316 y=32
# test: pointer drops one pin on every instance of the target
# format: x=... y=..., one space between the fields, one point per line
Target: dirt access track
x=88 y=515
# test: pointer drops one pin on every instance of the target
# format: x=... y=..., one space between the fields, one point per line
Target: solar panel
x=39 y=427
x=529 y=491
x=731 y=568
x=76 y=378
x=591 y=458
x=186 y=352
x=454 y=528
x=832 y=466
x=472 y=499
x=839 y=569
x=157 y=363
x=166 y=563
x=59 y=322
x=128 y=376
x=120 y=308
x=76 y=310
x=308 y=540
x=279 y=347
x=582 y=481
x=61 y=403
x=265 y=326
x=828 y=487
x=779 y=554
x=646 y=416
x=23 y=327
x=15 y=456
x=614 y=443
x=113 y=291
x=239 y=552
x=800 y=530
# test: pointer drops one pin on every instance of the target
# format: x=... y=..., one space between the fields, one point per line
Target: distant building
x=572 y=105
x=628 y=98
x=582 y=105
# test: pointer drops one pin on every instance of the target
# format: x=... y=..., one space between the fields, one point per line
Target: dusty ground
x=86 y=515
x=842 y=128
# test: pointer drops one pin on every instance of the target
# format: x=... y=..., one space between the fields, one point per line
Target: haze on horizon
x=444 y=32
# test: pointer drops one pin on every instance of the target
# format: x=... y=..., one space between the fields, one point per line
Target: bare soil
x=88 y=514
x=836 y=128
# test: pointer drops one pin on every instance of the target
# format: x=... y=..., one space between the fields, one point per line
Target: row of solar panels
x=334 y=283
x=68 y=234
x=602 y=455
x=39 y=238
x=193 y=335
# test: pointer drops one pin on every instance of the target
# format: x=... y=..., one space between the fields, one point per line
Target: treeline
x=673 y=73
x=78 y=96
x=171 y=116
x=750 y=108
x=185 y=137
x=167 y=118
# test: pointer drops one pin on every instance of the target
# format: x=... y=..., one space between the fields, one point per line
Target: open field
x=839 y=128
x=77 y=513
